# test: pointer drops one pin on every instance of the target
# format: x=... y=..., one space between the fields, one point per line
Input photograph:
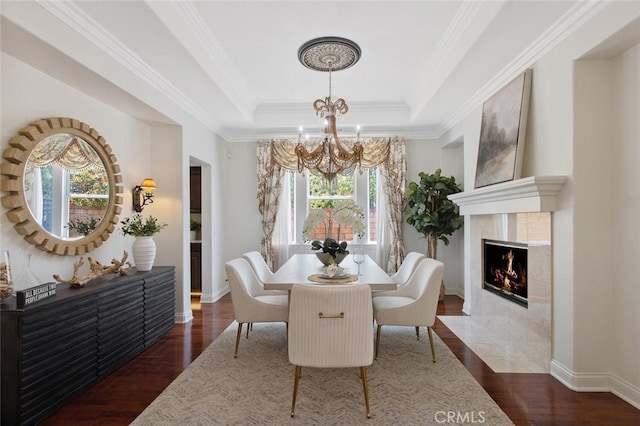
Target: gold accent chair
x=413 y=304
x=331 y=326
x=251 y=302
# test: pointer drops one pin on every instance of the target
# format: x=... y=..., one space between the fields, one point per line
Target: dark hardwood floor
x=528 y=399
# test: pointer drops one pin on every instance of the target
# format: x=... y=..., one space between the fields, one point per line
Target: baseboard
x=596 y=382
x=626 y=391
x=184 y=317
x=214 y=297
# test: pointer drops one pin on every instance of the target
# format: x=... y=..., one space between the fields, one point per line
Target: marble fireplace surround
x=507 y=336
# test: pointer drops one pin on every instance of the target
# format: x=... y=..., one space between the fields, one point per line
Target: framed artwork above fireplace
x=504 y=124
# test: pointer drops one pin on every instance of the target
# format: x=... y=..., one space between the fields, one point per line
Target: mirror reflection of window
x=65 y=181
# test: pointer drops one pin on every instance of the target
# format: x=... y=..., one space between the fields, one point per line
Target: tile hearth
x=496 y=350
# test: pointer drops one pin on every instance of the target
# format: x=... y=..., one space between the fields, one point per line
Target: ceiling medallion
x=331 y=157
x=329 y=54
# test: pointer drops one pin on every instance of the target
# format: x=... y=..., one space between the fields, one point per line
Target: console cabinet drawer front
x=166 y=276
x=39 y=341
x=44 y=402
x=57 y=379
x=59 y=356
x=42 y=326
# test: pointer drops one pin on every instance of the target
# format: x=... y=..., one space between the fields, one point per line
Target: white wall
x=622 y=285
x=243 y=229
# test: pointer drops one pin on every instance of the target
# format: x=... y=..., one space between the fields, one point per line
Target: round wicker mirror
x=74 y=149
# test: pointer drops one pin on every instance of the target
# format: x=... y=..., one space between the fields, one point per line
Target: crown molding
x=433 y=70
x=219 y=67
x=562 y=28
x=92 y=31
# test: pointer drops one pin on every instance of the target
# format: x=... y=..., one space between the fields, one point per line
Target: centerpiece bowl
x=330 y=251
x=325 y=258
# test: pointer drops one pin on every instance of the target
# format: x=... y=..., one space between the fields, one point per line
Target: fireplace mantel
x=529 y=194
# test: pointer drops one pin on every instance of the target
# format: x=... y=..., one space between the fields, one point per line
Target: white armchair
x=414 y=304
x=258 y=265
x=250 y=303
x=401 y=277
x=331 y=326
x=261 y=269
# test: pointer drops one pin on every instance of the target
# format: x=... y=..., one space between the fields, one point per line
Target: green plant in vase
x=138 y=226
x=144 y=248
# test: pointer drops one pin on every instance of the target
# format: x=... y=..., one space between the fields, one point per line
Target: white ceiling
x=233 y=64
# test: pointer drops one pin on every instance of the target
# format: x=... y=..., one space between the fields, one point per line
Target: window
x=309 y=191
x=85 y=193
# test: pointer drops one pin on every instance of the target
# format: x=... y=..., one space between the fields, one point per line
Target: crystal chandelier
x=331 y=157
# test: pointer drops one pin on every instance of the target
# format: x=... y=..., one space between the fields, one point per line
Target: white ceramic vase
x=144 y=253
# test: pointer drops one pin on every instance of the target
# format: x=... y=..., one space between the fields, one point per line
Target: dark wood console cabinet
x=55 y=349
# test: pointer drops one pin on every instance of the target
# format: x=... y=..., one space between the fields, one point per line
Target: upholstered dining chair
x=258 y=264
x=330 y=326
x=413 y=304
x=405 y=271
x=250 y=303
x=261 y=269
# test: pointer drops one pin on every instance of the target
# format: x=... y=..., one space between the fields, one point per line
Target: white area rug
x=405 y=386
x=501 y=352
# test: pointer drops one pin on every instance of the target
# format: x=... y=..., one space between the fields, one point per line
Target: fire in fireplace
x=505 y=270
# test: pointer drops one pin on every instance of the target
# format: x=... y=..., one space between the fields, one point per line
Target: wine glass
x=358 y=257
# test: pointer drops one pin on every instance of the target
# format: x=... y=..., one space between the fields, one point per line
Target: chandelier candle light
x=331 y=157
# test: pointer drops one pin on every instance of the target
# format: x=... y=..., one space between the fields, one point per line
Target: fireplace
x=505 y=270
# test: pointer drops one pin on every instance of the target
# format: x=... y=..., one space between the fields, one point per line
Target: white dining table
x=299 y=267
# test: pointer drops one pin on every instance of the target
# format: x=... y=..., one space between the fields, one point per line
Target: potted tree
x=431 y=212
x=144 y=248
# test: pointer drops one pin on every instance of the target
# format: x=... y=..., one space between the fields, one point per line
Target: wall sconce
x=143 y=194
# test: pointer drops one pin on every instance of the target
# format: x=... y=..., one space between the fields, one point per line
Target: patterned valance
x=375 y=150
x=65 y=150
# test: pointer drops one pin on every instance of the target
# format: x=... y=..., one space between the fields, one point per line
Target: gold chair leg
x=296 y=379
x=249 y=326
x=365 y=387
x=235 y=354
x=433 y=350
x=378 y=339
x=417 y=333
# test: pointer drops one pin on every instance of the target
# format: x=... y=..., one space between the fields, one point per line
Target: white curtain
x=382 y=224
x=282 y=221
x=33 y=192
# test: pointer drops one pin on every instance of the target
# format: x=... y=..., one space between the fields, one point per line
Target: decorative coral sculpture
x=96 y=269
